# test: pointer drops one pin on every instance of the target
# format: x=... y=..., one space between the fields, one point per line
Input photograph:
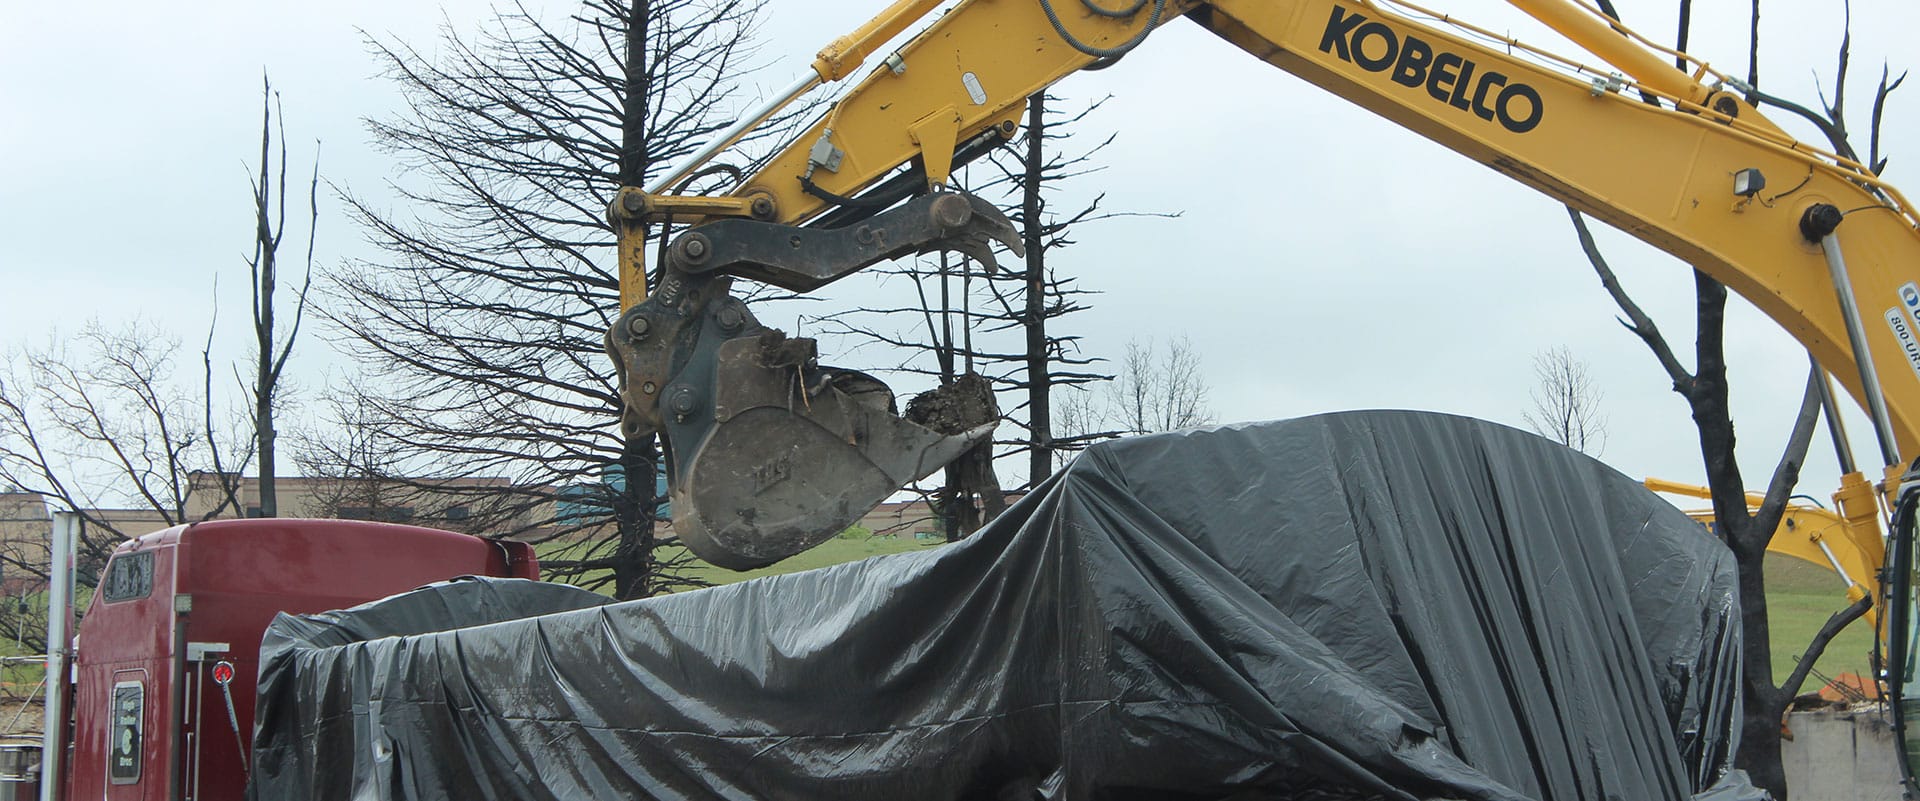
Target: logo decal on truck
x=1448 y=77
x=128 y=716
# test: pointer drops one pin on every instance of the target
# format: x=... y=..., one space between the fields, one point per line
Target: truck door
x=122 y=683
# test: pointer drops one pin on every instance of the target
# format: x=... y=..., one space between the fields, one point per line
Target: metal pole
x=733 y=133
x=1862 y=358
x=1603 y=37
x=1834 y=562
x=53 y=746
x=1837 y=430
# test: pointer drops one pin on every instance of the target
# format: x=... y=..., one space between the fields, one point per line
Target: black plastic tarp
x=1388 y=604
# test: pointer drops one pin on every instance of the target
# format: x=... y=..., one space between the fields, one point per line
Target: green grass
x=847 y=547
x=835 y=551
x=1800 y=598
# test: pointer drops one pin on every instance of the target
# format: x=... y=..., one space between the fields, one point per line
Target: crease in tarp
x=1397 y=604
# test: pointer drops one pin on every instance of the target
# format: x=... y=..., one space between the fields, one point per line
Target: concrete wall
x=1840 y=756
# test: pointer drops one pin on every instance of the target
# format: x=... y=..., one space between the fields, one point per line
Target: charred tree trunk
x=632 y=563
x=265 y=276
x=270 y=354
x=1746 y=533
x=1764 y=703
x=639 y=455
x=1706 y=394
x=1034 y=317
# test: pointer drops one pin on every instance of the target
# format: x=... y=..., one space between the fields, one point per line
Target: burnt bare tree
x=100 y=424
x=482 y=327
x=1035 y=172
x=1746 y=530
x=271 y=349
x=970 y=493
x=997 y=325
x=1566 y=402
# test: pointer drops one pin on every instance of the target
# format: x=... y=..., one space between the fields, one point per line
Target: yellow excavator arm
x=1845 y=539
x=770 y=453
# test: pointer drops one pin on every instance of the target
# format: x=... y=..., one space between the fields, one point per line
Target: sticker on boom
x=1903 y=324
x=1448 y=77
x=1903 y=332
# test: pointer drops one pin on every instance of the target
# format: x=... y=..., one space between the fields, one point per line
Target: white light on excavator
x=1749 y=181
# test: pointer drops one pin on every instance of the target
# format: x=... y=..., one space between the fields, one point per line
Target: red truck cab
x=168 y=652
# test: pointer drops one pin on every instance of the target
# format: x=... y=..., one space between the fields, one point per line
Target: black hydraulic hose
x=1153 y=21
x=868 y=201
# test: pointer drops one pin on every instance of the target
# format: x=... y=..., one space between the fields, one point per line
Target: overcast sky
x=1323 y=259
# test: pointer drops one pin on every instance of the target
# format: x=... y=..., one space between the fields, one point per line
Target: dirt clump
x=961 y=406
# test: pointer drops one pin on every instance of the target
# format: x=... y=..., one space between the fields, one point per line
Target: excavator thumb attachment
x=768 y=452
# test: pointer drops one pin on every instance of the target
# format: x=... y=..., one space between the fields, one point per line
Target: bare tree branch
x=97 y=425
x=482 y=327
x=270 y=350
x=1636 y=320
x=1786 y=473
x=1566 y=402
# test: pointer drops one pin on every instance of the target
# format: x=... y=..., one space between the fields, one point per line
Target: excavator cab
x=1901 y=629
x=768 y=452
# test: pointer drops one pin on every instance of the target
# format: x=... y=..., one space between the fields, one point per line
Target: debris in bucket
x=963 y=405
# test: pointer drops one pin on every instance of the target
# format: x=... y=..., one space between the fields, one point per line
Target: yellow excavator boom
x=763 y=442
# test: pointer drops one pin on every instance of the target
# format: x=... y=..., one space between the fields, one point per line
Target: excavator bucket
x=790 y=465
x=768 y=452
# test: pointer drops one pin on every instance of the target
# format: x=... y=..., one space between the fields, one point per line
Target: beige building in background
x=24 y=526
x=471 y=505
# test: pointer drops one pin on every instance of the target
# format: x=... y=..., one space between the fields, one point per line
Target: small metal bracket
x=824 y=154
x=1610 y=83
x=937 y=133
